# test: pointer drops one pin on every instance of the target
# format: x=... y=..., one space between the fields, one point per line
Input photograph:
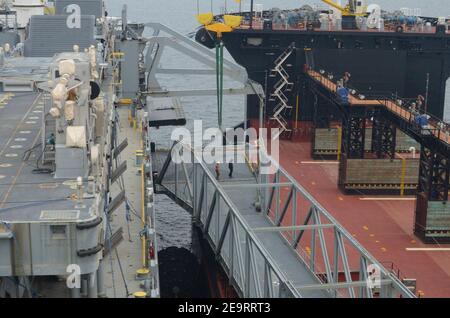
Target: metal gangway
x=271 y=237
x=405 y=116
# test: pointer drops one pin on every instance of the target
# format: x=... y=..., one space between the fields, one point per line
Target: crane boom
x=334 y=5
x=348 y=10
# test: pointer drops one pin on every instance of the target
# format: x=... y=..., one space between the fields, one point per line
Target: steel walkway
x=437 y=129
x=270 y=236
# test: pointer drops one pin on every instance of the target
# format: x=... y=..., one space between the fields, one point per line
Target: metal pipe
x=100 y=280
x=75 y=292
x=84 y=285
x=251 y=14
x=427 y=92
x=143 y=217
x=92 y=285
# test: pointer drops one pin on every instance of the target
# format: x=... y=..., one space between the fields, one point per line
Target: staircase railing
x=281 y=87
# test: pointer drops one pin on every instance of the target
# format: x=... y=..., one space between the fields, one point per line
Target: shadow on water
x=180 y=253
x=181 y=275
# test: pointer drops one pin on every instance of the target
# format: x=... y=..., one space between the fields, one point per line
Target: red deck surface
x=384 y=228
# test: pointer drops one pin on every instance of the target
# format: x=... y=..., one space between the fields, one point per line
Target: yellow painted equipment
x=205 y=18
x=117 y=55
x=48 y=10
x=140 y=294
x=402 y=182
x=339 y=143
x=232 y=21
x=353 y=8
x=139 y=154
x=219 y=28
x=143 y=217
x=125 y=101
x=143 y=272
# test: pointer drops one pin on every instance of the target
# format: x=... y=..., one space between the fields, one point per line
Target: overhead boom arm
x=349 y=10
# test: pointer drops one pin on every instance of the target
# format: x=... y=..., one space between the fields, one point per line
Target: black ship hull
x=380 y=63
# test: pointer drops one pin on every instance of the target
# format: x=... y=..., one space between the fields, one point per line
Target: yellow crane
x=354 y=8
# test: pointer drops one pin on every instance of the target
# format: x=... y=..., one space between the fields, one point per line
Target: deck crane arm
x=349 y=10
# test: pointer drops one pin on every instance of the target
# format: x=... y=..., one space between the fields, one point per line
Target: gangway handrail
x=439 y=128
x=401 y=107
x=239 y=218
x=206 y=213
x=396 y=283
x=235 y=212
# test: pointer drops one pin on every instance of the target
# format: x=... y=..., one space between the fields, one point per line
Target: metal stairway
x=48 y=155
x=281 y=87
x=271 y=242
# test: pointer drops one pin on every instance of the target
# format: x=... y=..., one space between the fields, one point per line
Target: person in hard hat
x=414 y=111
x=343 y=94
x=420 y=102
x=339 y=84
x=231 y=168
x=346 y=78
x=51 y=141
x=217 y=170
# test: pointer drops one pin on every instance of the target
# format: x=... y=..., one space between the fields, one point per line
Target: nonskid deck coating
x=384 y=227
x=281 y=253
x=20 y=130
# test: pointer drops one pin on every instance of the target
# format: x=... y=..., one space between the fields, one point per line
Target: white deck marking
x=19 y=124
x=387 y=199
x=428 y=249
x=320 y=162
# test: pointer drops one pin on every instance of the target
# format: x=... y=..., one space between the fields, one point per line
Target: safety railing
x=285 y=21
x=149 y=241
x=337 y=264
x=419 y=120
x=322 y=79
x=408 y=110
x=249 y=267
x=345 y=268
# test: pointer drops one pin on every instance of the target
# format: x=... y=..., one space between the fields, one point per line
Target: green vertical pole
x=218 y=80
x=221 y=84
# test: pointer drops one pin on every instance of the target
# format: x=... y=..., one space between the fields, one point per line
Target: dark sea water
x=174 y=224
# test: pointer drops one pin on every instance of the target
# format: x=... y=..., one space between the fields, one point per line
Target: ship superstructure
x=402 y=53
x=69 y=82
x=334 y=80
x=61 y=169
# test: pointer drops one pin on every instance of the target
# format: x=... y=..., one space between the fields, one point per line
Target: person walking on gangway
x=420 y=102
x=231 y=168
x=217 y=170
x=346 y=79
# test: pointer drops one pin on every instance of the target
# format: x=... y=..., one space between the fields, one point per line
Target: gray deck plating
x=24 y=194
x=276 y=246
x=282 y=254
